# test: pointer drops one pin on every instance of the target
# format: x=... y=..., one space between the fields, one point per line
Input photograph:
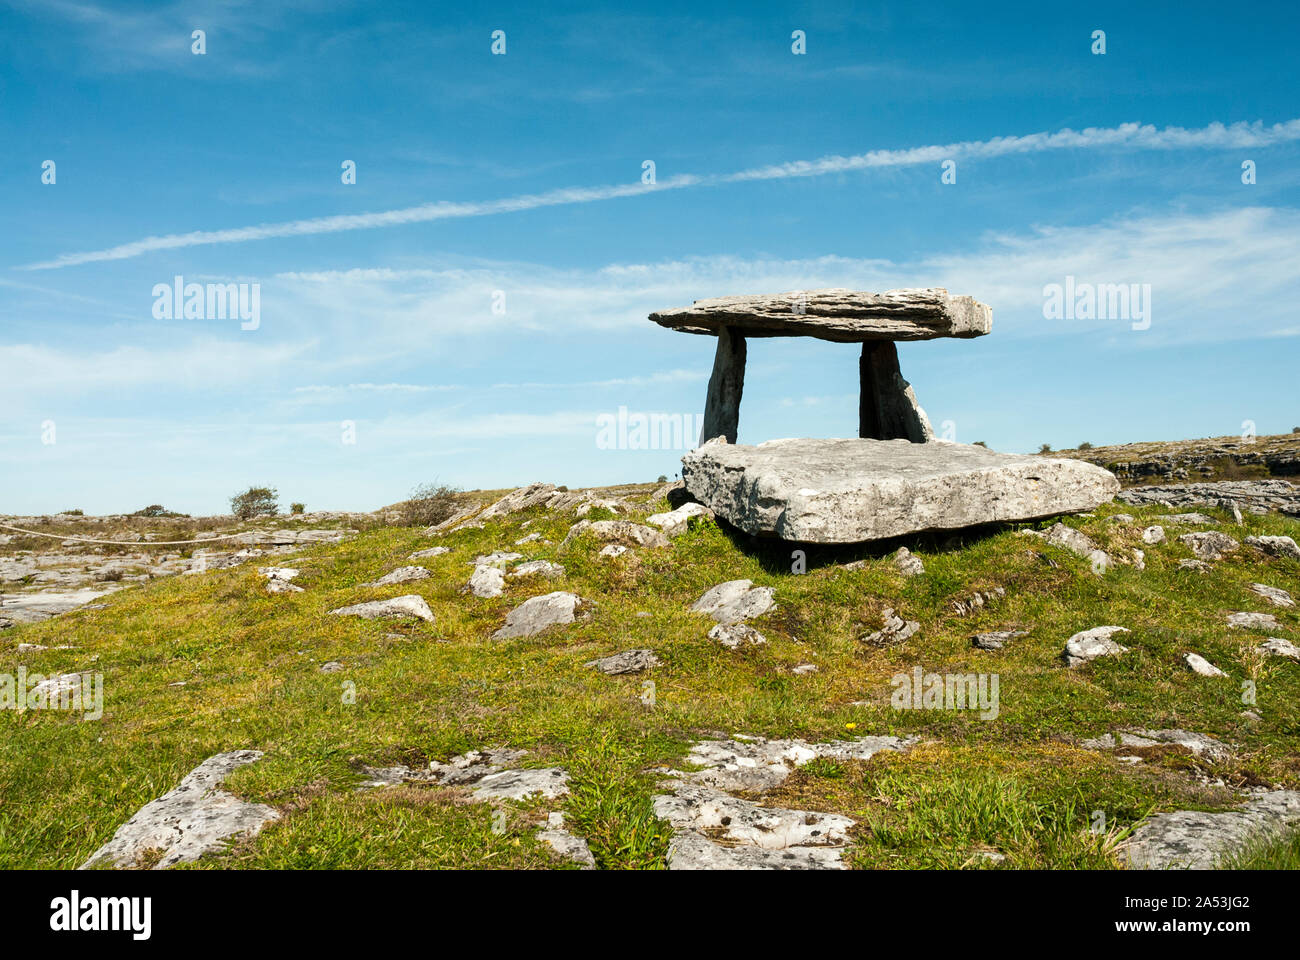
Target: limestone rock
x=855 y=490
x=401 y=575
x=705 y=810
x=629 y=661
x=674 y=524
x=618 y=531
x=1153 y=534
x=1090 y=644
x=332 y=667
x=1198 y=743
x=908 y=563
x=431 y=552
x=735 y=600
x=566 y=844
x=538 y=568
x=276 y=585
x=1209 y=545
x=1275 y=546
x=500 y=559
x=612 y=550
x=486 y=582
x=532 y=495
x=1198 y=664
x=756 y=765
x=1200 y=566
x=1081 y=545
x=1195 y=519
x=843 y=316
x=540 y=613
x=411 y=605
x=549 y=782
x=736 y=635
x=895 y=631
x=997 y=639
x=1193 y=840
x=194 y=818
x=1274 y=595
x=1277 y=647
x=1253 y=621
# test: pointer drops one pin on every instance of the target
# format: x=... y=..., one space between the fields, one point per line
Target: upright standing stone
x=722 y=407
x=887 y=407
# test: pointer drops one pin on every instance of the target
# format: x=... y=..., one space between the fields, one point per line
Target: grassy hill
x=196 y=665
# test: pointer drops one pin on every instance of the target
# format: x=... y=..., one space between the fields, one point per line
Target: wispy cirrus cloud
x=1131 y=136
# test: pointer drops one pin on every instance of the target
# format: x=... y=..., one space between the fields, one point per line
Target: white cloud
x=1131 y=136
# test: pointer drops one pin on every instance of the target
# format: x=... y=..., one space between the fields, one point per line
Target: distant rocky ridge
x=1215 y=458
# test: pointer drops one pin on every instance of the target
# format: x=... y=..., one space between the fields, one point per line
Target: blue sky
x=522 y=173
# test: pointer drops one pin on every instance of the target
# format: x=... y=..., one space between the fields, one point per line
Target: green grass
x=414 y=692
x=1271 y=852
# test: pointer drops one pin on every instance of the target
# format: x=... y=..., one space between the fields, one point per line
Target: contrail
x=1130 y=135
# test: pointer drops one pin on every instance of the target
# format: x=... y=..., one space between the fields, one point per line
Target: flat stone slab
x=190 y=820
x=843 y=316
x=855 y=490
x=1192 y=840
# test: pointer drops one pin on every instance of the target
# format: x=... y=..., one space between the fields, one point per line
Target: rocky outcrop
x=850 y=491
x=187 y=822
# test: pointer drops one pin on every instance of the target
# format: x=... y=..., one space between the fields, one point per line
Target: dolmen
x=893 y=479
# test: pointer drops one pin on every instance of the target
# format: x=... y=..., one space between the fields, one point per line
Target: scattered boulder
x=411 y=605
x=756 y=765
x=1194 y=840
x=1200 y=566
x=908 y=563
x=401 y=575
x=540 y=613
x=1210 y=544
x=1253 y=621
x=539 y=568
x=431 y=552
x=735 y=600
x=1153 y=535
x=187 y=822
x=1277 y=647
x=997 y=639
x=528 y=538
x=895 y=630
x=1274 y=595
x=532 y=495
x=566 y=844
x=486 y=582
x=613 y=506
x=1198 y=664
x=629 y=661
x=1081 y=545
x=1088 y=645
x=1194 y=519
x=612 y=550
x=677 y=522
x=332 y=667
x=804 y=669
x=624 y=532
x=977 y=600
x=500 y=559
x=1275 y=546
x=735 y=635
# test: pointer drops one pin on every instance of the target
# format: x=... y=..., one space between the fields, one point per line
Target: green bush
x=297 y=508
x=430 y=503
x=255 y=502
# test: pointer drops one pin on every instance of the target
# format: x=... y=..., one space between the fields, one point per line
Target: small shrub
x=1295 y=429
x=1045 y=448
x=255 y=502
x=430 y=503
x=72 y=513
x=1085 y=445
x=980 y=443
x=662 y=479
x=297 y=508
x=157 y=510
